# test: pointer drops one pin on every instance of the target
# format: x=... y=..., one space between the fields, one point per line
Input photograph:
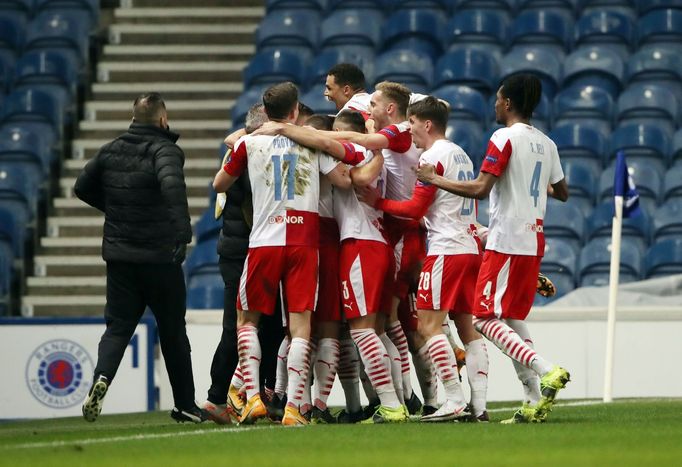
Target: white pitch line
x=114 y=439
x=565 y=404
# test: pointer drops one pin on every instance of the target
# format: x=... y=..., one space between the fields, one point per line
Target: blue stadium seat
x=595 y=262
x=581 y=144
x=636 y=227
x=484 y=28
x=205 y=292
x=351 y=27
x=559 y=258
x=644 y=6
x=443 y=6
x=203 y=259
x=595 y=66
x=61 y=31
x=23 y=6
x=647 y=178
x=11 y=36
x=507 y=6
x=539 y=61
x=672 y=184
x=465 y=103
x=315 y=99
x=292 y=30
x=676 y=152
x=87 y=10
x=22 y=148
x=36 y=110
x=661 y=26
x=418 y=30
x=16 y=217
x=668 y=220
x=467 y=135
x=664 y=258
x=657 y=65
x=313 y=5
x=582 y=184
x=5 y=75
x=587 y=106
x=475 y=68
x=405 y=66
x=207 y=226
x=12 y=232
x=564 y=221
x=326 y=59
x=606 y=27
x=274 y=66
x=377 y=5
x=542 y=27
x=648 y=143
x=243 y=104
x=648 y=103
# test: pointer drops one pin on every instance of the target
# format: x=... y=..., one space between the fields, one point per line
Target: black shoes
x=92 y=406
x=193 y=414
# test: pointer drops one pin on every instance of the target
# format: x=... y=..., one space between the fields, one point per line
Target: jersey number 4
x=277 y=163
x=535 y=183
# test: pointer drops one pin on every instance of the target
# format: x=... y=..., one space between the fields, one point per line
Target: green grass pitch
x=628 y=432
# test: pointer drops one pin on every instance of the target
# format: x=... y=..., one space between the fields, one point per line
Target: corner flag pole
x=614 y=273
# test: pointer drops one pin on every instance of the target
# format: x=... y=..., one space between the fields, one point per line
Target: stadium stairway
x=194 y=57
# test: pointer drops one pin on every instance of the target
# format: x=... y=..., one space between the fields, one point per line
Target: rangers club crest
x=59 y=373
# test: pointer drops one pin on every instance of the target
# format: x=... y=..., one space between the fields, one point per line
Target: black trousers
x=225 y=359
x=131 y=288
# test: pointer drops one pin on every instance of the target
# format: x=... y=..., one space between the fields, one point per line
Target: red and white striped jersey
x=400 y=158
x=356 y=219
x=526 y=162
x=451 y=219
x=285 y=183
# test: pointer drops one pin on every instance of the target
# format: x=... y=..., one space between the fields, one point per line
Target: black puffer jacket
x=233 y=242
x=138 y=182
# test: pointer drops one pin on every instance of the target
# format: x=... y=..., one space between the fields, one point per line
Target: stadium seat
x=203 y=259
x=11 y=36
x=292 y=30
x=668 y=220
x=315 y=99
x=647 y=143
x=36 y=110
x=22 y=148
x=594 y=66
x=676 y=152
x=542 y=27
x=644 y=6
x=443 y=6
x=661 y=26
x=243 y=104
x=506 y=6
x=313 y=5
x=606 y=27
x=595 y=262
x=582 y=183
x=87 y=10
x=580 y=143
x=559 y=257
x=405 y=66
x=587 y=106
x=207 y=226
x=467 y=135
x=475 y=68
x=539 y=61
x=664 y=258
x=205 y=291
x=326 y=59
x=672 y=184
x=14 y=215
x=648 y=103
x=636 y=227
x=351 y=27
x=418 y=30
x=377 y=5
x=564 y=221
x=60 y=31
x=274 y=66
x=647 y=178
x=465 y=103
x=12 y=232
x=484 y=28
x=657 y=65
x=23 y=6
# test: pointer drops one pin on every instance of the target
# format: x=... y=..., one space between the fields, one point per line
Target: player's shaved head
x=350 y=120
x=280 y=100
x=149 y=109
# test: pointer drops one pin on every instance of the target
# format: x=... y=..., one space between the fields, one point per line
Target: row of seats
x=633 y=7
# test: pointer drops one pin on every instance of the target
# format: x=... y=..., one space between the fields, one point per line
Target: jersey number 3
x=277 y=163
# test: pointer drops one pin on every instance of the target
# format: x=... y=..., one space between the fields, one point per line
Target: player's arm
x=340 y=176
x=371 y=141
x=559 y=190
x=479 y=188
x=232 y=138
x=366 y=174
x=234 y=166
x=414 y=208
x=308 y=137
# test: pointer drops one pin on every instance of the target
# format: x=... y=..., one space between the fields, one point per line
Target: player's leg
x=325 y=367
x=349 y=376
x=426 y=374
x=407 y=314
x=477 y=364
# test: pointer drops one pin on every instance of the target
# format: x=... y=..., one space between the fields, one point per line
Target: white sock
x=426 y=375
x=326 y=364
x=399 y=339
x=477 y=373
x=248 y=347
x=377 y=365
x=445 y=363
x=349 y=375
x=445 y=326
x=306 y=400
x=237 y=378
x=298 y=364
x=529 y=378
x=367 y=386
x=396 y=366
x=282 y=378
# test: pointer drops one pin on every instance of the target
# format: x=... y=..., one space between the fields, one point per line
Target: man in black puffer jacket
x=137 y=180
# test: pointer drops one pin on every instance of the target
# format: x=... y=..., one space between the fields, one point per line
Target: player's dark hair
x=396 y=92
x=148 y=108
x=353 y=120
x=280 y=99
x=347 y=74
x=430 y=108
x=524 y=91
x=320 y=122
x=304 y=111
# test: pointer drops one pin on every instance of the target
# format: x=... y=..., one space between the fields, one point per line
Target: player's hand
x=368 y=195
x=270 y=129
x=426 y=173
x=545 y=286
x=179 y=253
x=369 y=125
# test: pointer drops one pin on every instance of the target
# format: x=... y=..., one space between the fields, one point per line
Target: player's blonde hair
x=397 y=93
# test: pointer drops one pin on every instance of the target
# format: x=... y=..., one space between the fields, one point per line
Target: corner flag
x=624 y=186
